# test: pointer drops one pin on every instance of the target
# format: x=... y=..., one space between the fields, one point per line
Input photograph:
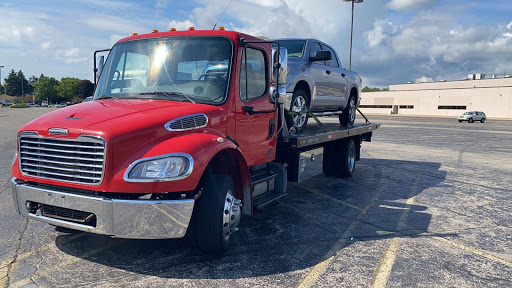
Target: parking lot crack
x=12 y=264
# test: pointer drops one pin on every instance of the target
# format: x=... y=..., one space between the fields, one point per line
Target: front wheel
x=460 y=121
x=471 y=120
x=219 y=213
x=298 y=115
x=348 y=116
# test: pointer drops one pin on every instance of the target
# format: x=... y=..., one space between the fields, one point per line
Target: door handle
x=343 y=75
x=328 y=72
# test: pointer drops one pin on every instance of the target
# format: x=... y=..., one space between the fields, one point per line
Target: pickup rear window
x=295 y=47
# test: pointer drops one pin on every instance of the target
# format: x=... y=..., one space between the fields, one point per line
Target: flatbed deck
x=315 y=134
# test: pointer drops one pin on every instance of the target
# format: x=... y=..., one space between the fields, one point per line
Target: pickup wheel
x=298 y=115
x=348 y=116
x=218 y=214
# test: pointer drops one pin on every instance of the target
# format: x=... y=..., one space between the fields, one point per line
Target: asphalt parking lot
x=429 y=205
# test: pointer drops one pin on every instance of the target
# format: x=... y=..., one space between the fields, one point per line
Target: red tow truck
x=185 y=134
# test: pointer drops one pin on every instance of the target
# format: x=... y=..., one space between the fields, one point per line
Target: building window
x=406 y=106
x=376 y=106
x=451 y=107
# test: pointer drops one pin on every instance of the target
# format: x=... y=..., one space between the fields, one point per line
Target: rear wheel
x=348 y=159
x=218 y=214
x=482 y=120
x=298 y=117
x=348 y=116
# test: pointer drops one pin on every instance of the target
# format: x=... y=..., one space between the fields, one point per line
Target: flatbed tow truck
x=185 y=134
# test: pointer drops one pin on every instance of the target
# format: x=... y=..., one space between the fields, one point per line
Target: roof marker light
x=134 y=34
x=172 y=29
x=222 y=28
x=154 y=31
x=191 y=28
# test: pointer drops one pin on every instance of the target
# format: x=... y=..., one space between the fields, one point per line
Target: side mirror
x=101 y=65
x=321 y=55
x=279 y=66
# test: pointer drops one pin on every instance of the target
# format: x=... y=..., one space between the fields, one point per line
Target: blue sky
x=395 y=41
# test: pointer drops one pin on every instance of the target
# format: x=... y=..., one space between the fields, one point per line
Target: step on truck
x=186 y=133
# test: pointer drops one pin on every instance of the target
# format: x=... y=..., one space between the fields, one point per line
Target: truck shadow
x=298 y=233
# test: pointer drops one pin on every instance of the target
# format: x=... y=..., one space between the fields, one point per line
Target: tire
x=300 y=104
x=470 y=120
x=460 y=121
x=482 y=120
x=348 y=116
x=348 y=159
x=219 y=213
x=339 y=158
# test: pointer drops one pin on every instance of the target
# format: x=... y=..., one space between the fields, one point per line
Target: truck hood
x=110 y=117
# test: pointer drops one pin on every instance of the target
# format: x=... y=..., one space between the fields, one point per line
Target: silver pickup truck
x=317 y=82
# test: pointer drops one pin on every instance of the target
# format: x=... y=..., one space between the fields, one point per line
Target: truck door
x=337 y=81
x=321 y=76
x=256 y=133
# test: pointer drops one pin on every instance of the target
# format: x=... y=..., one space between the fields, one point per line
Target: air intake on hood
x=187 y=122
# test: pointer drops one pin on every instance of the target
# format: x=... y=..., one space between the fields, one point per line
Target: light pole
x=1 y=66
x=351 y=31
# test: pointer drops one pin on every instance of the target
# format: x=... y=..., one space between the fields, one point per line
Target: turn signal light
x=191 y=28
x=154 y=31
x=172 y=29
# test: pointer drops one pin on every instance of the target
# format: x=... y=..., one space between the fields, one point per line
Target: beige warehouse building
x=493 y=96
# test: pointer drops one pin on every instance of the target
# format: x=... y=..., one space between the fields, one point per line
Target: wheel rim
x=351 y=157
x=299 y=106
x=231 y=214
x=352 y=110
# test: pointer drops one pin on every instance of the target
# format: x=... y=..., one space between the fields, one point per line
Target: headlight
x=161 y=168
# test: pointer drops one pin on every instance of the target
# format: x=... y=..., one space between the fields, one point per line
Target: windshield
x=468 y=113
x=194 y=69
x=295 y=47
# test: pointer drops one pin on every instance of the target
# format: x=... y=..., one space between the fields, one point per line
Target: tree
x=67 y=89
x=85 y=89
x=17 y=84
x=45 y=89
x=12 y=84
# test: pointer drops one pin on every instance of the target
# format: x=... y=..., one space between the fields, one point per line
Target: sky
x=394 y=41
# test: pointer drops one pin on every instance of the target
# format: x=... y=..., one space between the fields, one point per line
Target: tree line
x=374 y=89
x=44 y=88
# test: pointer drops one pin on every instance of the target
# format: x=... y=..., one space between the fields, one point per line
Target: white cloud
x=45 y=45
x=180 y=25
x=424 y=79
x=411 y=4
x=509 y=25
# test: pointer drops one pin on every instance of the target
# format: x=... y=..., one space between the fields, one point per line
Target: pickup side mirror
x=321 y=55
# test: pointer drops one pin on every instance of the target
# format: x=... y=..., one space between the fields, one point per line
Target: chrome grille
x=187 y=123
x=79 y=160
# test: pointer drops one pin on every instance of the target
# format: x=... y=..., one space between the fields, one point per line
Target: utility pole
x=2 y=66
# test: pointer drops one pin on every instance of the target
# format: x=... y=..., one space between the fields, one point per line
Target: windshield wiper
x=168 y=94
x=105 y=97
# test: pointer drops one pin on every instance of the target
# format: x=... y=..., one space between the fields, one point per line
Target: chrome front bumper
x=134 y=219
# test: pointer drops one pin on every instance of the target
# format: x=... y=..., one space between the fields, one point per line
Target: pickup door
x=330 y=84
x=338 y=82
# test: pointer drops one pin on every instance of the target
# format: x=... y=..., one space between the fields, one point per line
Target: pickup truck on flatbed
x=317 y=82
x=173 y=147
